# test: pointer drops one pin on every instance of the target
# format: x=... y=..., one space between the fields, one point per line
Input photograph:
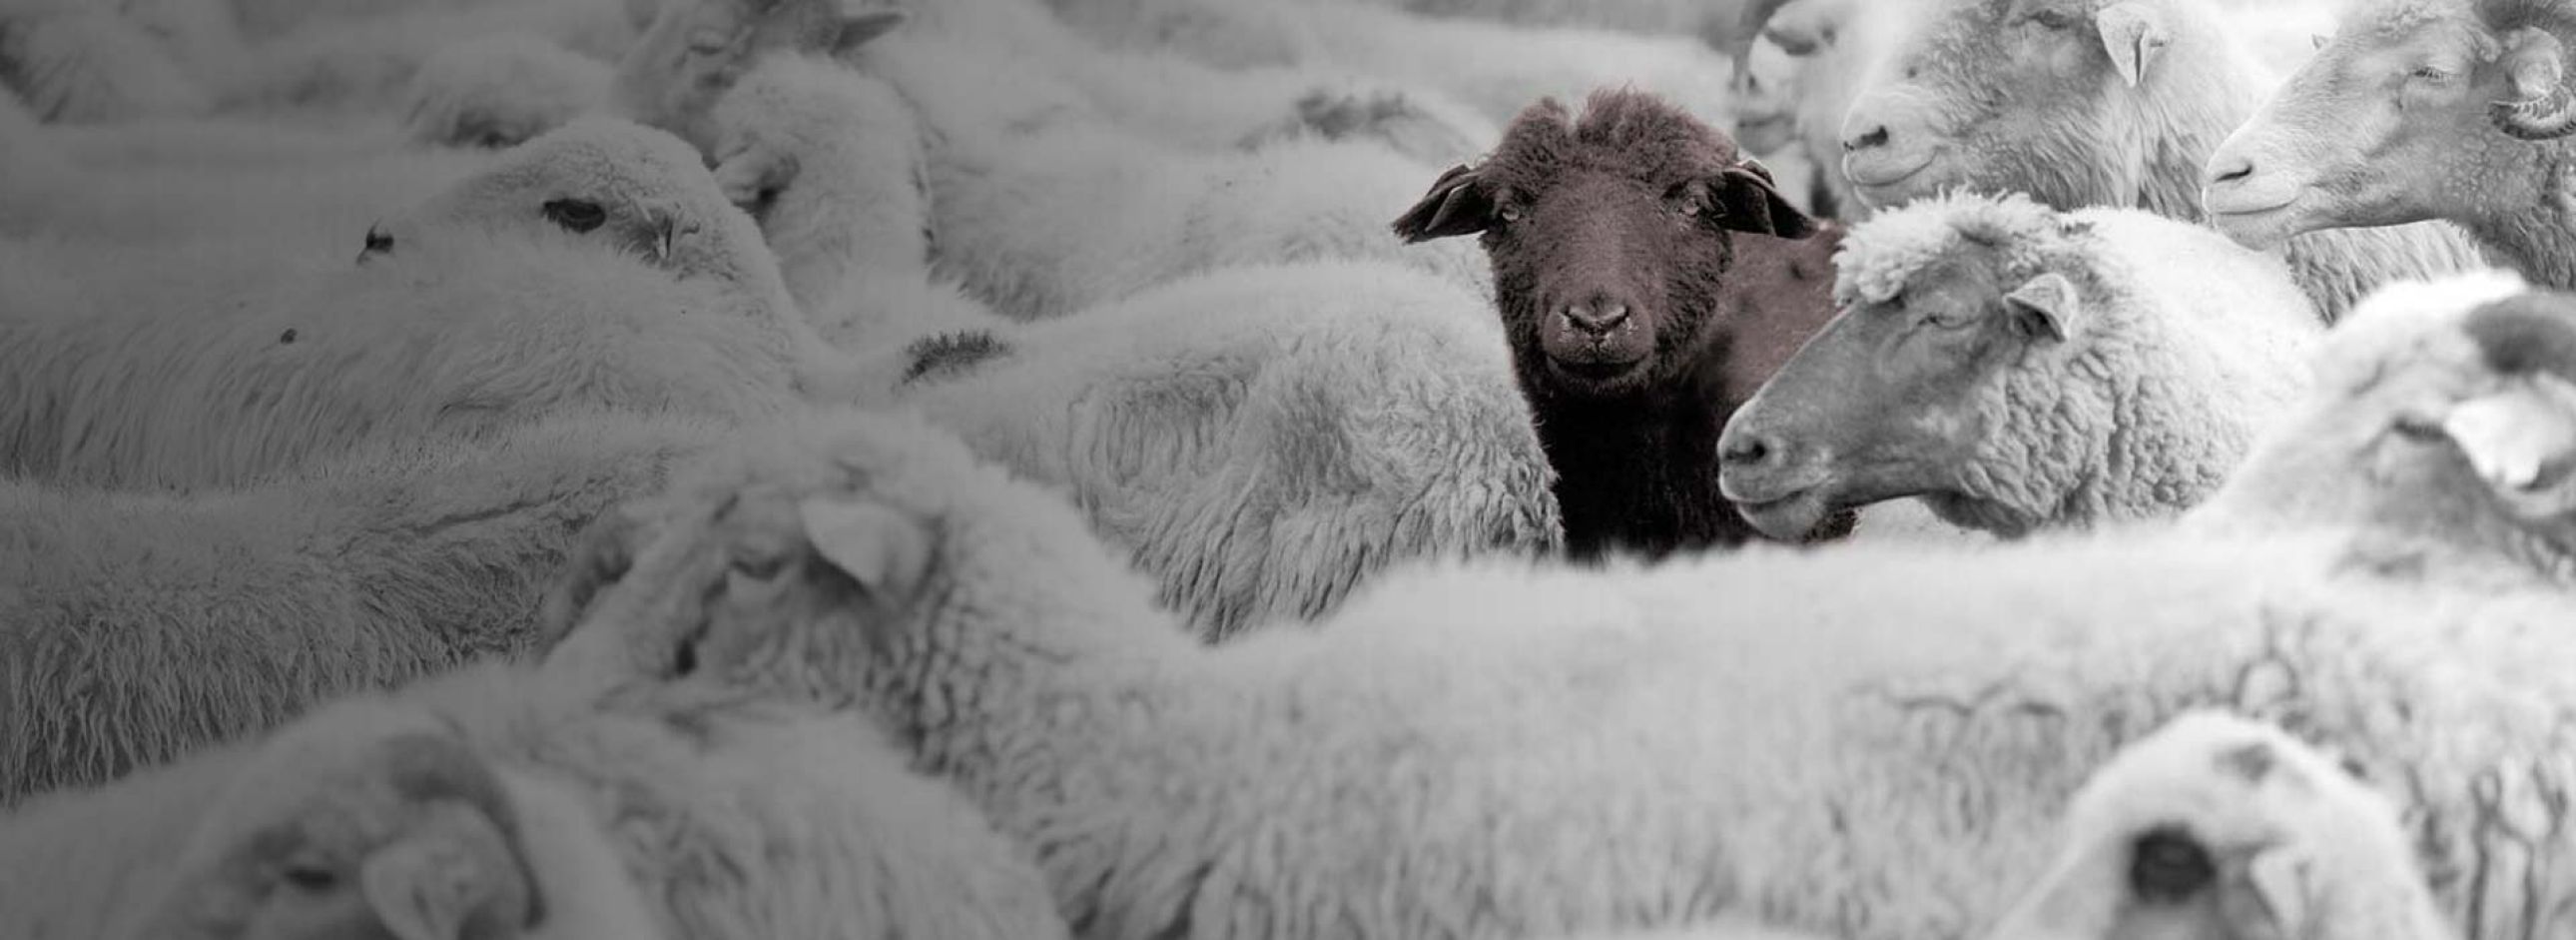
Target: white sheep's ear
x=859 y=29
x=2135 y=36
x=2046 y=305
x=2268 y=899
x=419 y=890
x=2519 y=440
x=885 y=551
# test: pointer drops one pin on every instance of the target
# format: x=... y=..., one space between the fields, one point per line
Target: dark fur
x=1598 y=202
x=948 y=355
x=2527 y=333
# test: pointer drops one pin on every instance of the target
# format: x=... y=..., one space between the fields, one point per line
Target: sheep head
x=2219 y=826
x=1951 y=306
x=362 y=820
x=2413 y=110
x=1610 y=236
x=695 y=50
x=621 y=184
x=2442 y=410
x=2065 y=100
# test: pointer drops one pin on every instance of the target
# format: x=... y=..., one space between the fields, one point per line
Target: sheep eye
x=576 y=215
x=2166 y=866
x=709 y=42
x=2429 y=74
x=311 y=878
x=2318 y=40
x=761 y=567
x=1509 y=214
x=2052 y=18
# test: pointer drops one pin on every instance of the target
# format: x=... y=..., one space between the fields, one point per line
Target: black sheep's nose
x=1749 y=451
x=1597 y=318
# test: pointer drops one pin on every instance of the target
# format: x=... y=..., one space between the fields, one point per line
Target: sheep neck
x=2529 y=222
x=1635 y=472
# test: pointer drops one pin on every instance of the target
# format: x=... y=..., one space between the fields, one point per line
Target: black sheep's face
x=1604 y=276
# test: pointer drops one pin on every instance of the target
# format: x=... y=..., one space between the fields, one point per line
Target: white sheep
x=2442 y=410
x=1043 y=218
x=700 y=814
x=1498 y=68
x=500 y=90
x=685 y=60
x=85 y=63
x=143 y=625
x=1510 y=749
x=1832 y=51
x=364 y=63
x=543 y=283
x=2095 y=103
x=1266 y=439
x=2219 y=825
x=830 y=163
x=2481 y=142
x=2016 y=367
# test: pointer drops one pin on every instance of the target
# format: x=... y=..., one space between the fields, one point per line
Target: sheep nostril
x=1874 y=137
x=1596 y=319
x=2231 y=172
x=1749 y=451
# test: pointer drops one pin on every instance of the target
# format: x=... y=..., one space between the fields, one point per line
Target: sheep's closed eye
x=2052 y=18
x=310 y=878
x=575 y=215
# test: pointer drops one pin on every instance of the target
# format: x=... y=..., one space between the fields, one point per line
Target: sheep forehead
x=2186 y=773
x=1880 y=255
x=1624 y=132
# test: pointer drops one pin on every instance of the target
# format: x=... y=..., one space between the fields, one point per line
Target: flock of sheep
x=1515 y=469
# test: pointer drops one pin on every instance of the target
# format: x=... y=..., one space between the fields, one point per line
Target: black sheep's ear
x=1752 y=203
x=1456 y=205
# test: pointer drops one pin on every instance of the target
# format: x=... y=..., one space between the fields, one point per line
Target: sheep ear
x=419 y=891
x=2134 y=36
x=2522 y=440
x=2046 y=305
x=859 y=29
x=1457 y=204
x=2267 y=899
x=1749 y=202
x=884 y=550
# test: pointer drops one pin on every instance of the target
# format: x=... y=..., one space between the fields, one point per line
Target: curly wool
x=141 y=627
x=1498 y=739
x=2185 y=346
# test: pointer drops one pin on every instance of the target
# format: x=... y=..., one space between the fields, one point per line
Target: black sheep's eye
x=761 y=567
x=2167 y=866
x=1508 y=213
x=311 y=878
x=575 y=215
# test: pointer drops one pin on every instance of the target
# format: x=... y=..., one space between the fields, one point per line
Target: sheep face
x=626 y=185
x=1609 y=237
x=2442 y=409
x=2414 y=110
x=2044 y=97
x=816 y=559
x=695 y=50
x=1903 y=393
x=2218 y=826
x=408 y=836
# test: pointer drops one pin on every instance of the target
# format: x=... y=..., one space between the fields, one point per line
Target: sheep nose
x=1873 y=136
x=1598 y=317
x=1743 y=452
x=2228 y=169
